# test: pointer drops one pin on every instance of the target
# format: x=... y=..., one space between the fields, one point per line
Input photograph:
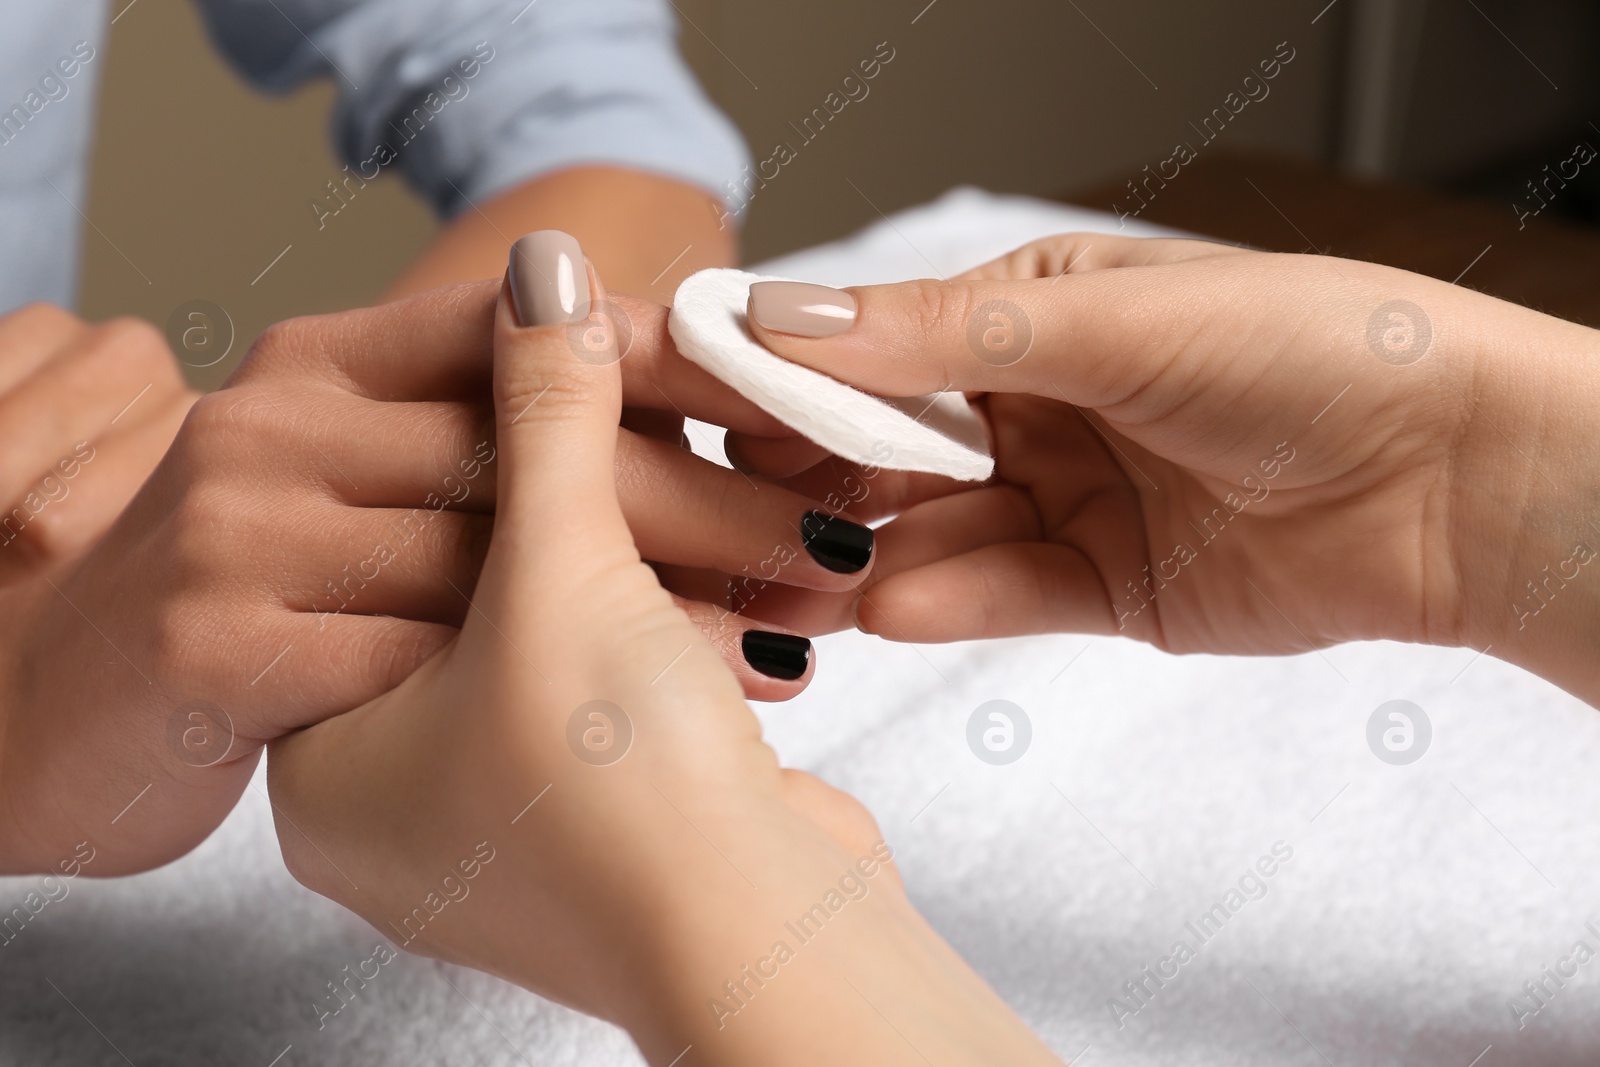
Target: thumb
x=557 y=402
x=1082 y=338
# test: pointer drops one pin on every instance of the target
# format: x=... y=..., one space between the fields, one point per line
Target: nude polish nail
x=549 y=280
x=801 y=308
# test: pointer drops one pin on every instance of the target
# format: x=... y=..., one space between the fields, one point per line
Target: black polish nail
x=783 y=656
x=840 y=545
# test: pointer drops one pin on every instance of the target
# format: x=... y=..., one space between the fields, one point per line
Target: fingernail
x=842 y=546
x=776 y=655
x=549 y=282
x=801 y=308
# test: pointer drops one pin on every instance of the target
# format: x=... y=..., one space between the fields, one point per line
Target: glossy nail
x=801 y=308
x=549 y=281
x=775 y=655
x=842 y=546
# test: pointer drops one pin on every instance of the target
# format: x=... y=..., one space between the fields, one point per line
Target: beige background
x=203 y=183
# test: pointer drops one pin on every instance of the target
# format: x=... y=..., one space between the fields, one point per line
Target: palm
x=1225 y=554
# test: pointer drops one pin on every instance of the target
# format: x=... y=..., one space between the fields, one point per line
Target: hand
x=310 y=539
x=472 y=814
x=1223 y=451
x=85 y=414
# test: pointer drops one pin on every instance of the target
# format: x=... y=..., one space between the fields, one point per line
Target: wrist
x=1527 y=508
x=827 y=963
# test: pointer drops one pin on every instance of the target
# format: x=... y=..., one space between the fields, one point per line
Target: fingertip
x=838 y=544
x=772 y=457
x=770 y=662
x=775 y=665
x=543 y=276
x=800 y=309
x=557 y=391
x=860 y=610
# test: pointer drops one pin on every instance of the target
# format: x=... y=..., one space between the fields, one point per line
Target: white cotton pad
x=939 y=434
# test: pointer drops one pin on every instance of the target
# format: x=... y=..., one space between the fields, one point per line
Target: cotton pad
x=938 y=434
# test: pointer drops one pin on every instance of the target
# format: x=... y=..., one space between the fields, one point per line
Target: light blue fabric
x=46 y=121
x=464 y=97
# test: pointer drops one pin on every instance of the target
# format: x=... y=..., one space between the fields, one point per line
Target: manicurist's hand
x=1219 y=450
x=85 y=414
x=574 y=795
x=313 y=535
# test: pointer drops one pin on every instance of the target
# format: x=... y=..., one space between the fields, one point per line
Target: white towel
x=1417 y=901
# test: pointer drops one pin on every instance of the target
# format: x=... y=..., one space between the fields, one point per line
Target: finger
x=649 y=422
x=353 y=447
x=771 y=663
x=98 y=381
x=1069 y=253
x=871 y=493
x=1093 y=339
x=559 y=529
x=931 y=531
x=772 y=457
x=420 y=564
x=30 y=337
x=74 y=505
x=306 y=669
x=801 y=611
x=655 y=376
x=370 y=454
x=422 y=561
x=1005 y=590
x=438 y=345
x=686 y=510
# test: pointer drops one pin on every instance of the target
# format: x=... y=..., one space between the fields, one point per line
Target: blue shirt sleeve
x=470 y=97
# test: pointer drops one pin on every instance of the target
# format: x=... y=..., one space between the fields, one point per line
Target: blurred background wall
x=205 y=184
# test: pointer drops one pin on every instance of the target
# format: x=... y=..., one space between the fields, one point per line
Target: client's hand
x=310 y=539
x=1219 y=450
x=85 y=414
x=573 y=795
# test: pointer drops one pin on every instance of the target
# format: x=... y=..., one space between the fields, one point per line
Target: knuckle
x=1054 y=255
x=282 y=344
x=128 y=339
x=18 y=539
x=544 y=389
x=47 y=318
x=939 y=309
x=137 y=348
x=50 y=536
x=382 y=664
x=720 y=627
x=216 y=421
